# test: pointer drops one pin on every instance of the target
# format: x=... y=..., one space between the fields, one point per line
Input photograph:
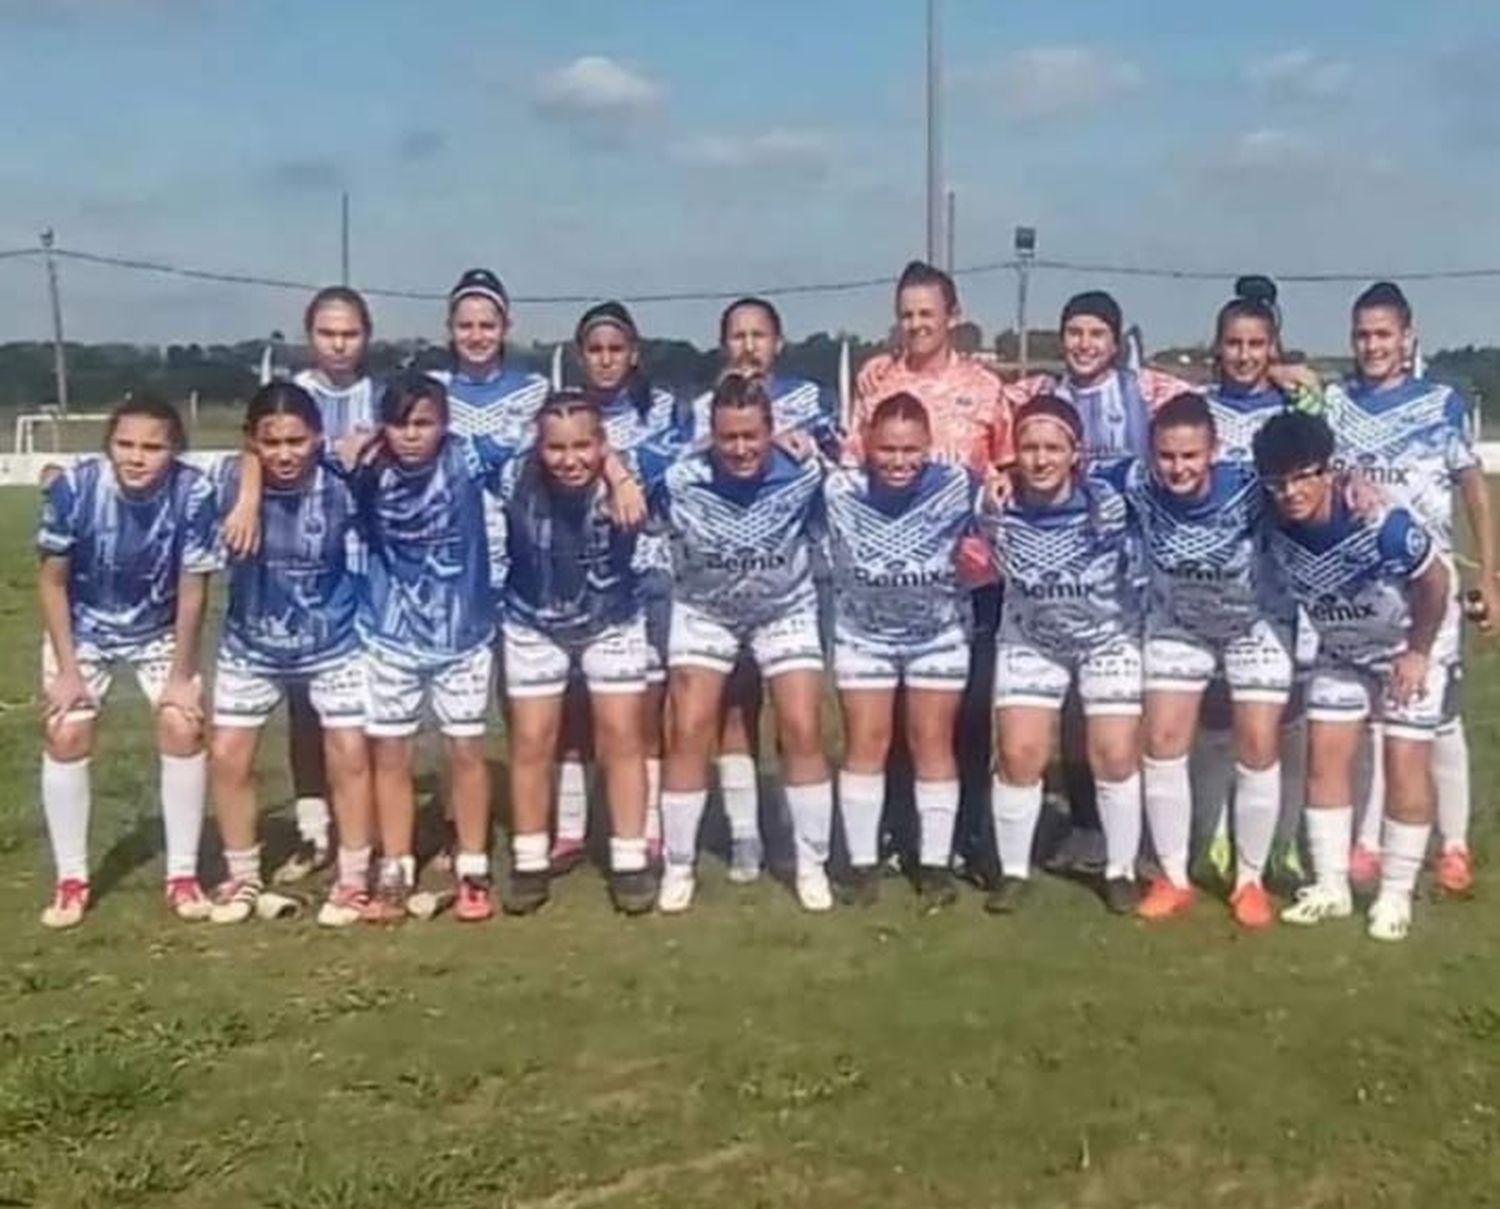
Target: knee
x=1115 y=763
x=69 y=742
x=867 y=745
x=391 y=755
x=528 y=744
x=346 y=752
x=177 y=734
x=617 y=738
x=1167 y=739
x=800 y=734
x=1258 y=751
x=1021 y=761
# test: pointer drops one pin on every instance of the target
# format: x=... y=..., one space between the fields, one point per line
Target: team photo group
x=1222 y=616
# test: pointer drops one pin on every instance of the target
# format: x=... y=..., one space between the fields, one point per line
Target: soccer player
x=1212 y=608
x=1414 y=439
x=750 y=343
x=1071 y=614
x=739 y=515
x=572 y=607
x=290 y=622
x=634 y=413
x=126 y=544
x=1378 y=592
x=894 y=529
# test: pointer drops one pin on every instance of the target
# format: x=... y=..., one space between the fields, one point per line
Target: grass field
x=746 y=1055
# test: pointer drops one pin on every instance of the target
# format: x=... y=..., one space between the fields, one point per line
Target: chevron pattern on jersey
x=1332 y=571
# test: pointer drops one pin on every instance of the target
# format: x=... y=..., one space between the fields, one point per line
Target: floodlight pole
x=934 y=134
x=1025 y=246
x=59 y=353
x=950 y=230
x=344 y=240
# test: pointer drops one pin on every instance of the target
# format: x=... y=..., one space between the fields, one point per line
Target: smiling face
x=477 y=327
x=751 y=343
x=741 y=440
x=926 y=322
x=1246 y=348
x=338 y=338
x=1182 y=457
x=897 y=450
x=1089 y=348
x=140 y=450
x=1046 y=459
x=571 y=448
x=286 y=446
x=609 y=355
x=1382 y=344
x=415 y=439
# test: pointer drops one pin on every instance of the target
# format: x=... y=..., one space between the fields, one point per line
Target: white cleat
x=1390 y=918
x=676 y=892
x=69 y=901
x=1318 y=902
x=813 y=890
x=745 y=858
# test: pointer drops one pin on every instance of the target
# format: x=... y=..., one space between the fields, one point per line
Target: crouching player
x=289 y=628
x=1068 y=552
x=126 y=543
x=894 y=529
x=572 y=604
x=1377 y=591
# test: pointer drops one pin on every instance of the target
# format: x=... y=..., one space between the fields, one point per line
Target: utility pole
x=344 y=240
x=934 y=134
x=59 y=353
x=1025 y=256
x=950 y=229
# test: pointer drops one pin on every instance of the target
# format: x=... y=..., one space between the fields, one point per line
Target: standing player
x=894 y=530
x=126 y=543
x=1378 y=593
x=1071 y=614
x=739 y=515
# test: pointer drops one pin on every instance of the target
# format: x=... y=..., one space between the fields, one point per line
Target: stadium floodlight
x=1025 y=254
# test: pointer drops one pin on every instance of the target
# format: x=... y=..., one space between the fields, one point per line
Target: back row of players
x=377 y=539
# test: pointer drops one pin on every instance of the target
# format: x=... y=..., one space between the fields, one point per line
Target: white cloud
x=1300 y=75
x=1270 y=149
x=778 y=148
x=1057 y=81
x=598 y=98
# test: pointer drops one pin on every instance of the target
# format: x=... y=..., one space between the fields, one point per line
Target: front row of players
x=374 y=591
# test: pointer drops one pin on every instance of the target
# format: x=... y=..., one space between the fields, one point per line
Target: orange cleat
x=1455 y=872
x=1252 y=906
x=1165 y=899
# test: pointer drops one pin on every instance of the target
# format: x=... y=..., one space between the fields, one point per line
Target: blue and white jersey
x=1114 y=414
x=627 y=429
x=343 y=410
x=893 y=552
x=1351 y=576
x=797 y=405
x=568 y=568
x=502 y=406
x=426 y=595
x=292 y=606
x=1412 y=440
x=1238 y=415
x=1205 y=559
x=741 y=548
x=125 y=551
x=1071 y=569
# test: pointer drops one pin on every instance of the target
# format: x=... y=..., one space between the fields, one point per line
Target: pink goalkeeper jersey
x=965 y=405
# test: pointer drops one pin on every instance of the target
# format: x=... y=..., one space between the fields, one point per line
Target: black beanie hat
x=1098 y=304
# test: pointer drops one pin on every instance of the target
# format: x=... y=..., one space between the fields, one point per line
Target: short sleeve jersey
x=965 y=404
x=343 y=409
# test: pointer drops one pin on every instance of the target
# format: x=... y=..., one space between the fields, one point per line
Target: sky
x=647 y=146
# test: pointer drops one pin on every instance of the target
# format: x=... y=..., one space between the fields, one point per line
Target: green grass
x=745 y=1055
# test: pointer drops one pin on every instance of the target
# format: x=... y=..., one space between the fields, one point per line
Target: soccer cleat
x=69 y=901
x=936 y=888
x=1008 y=896
x=1390 y=918
x=1121 y=896
x=1364 y=867
x=305 y=860
x=235 y=901
x=676 y=892
x=1285 y=870
x=345 y=905
x=860 y=887
x=745 y=857
x=186 y=900
x=527 y=891
x=388 y=905
x=813 y=890
x=1164 y=899
x=567 y=854
x=1252 y=906
x=1455 y=872
x=633 y=891
x=1082 y=851
x=475 y=900
x=1318 y=902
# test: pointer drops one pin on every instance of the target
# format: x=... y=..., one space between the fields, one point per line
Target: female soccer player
x=290 y=622
x=634 y=412
x=572 y=607
x=894 y=529
x=739 y=516
x=1067 y=550
x=126 y=544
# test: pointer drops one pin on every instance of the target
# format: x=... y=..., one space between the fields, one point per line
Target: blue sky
x=649 y=145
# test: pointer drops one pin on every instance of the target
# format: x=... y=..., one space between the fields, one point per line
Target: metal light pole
x=934 y=134
x=344 y=241
x=950 y=229
x=1025 y=256
x=59 y=353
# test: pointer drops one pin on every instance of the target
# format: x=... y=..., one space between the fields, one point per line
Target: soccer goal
x=54 y=432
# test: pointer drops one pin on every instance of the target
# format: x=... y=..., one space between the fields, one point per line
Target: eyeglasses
x=1284 y=484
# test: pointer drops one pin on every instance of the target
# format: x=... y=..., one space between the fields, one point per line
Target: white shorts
x=613 y=661
x=1340 y=692
x=150 y=662
x=658 y=630
x=789 y=644
x=244 y=697
x=459 y=693
x=1258 y=665
x=1109 y=677
x=939 y=664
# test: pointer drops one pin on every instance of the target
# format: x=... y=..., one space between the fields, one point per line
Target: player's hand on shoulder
x=797 y=444
x=1363 y=497
x=999 y=488
x=628 y=508
x=242 y=529
x=873 y=373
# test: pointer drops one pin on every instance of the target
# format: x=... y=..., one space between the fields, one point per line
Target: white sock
x=471 y=864
x=314 y=820
x=1169 y=811
x=861 y=798
x=627 y=855
x=401 y=869
x=738 y=787
x=243 y=863
x=1401 y=857
x=65 y=804
x=1450 y=776
x=1211 y=768
x=937 y=811
x=354 y=866
x=1120 y=808
x=1329 y=833
x=1016 y=809
x=653 y=800
x=1369 y=787
x=528 y=850
x=811 y=808
x=184 y=788
x=681 y=815
x=572 y=801
x=1293 y=781
x=1257 y=806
